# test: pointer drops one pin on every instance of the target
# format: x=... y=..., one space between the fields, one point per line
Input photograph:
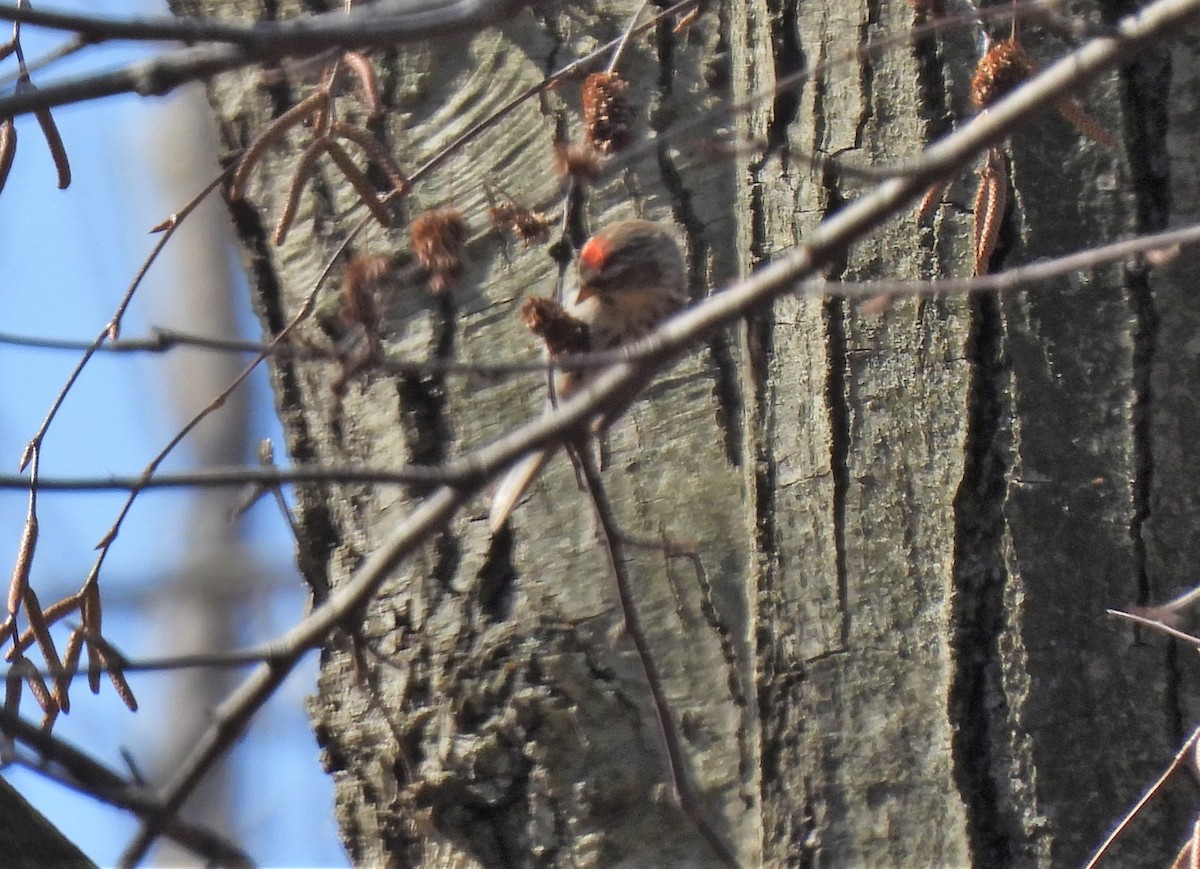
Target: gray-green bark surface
x=910 y=523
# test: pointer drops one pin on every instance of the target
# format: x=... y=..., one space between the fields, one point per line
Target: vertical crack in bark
x=422 y=398
x=931 y=82
x=866 y=73
x=779 y=678
x=817 y=145
x=759 y=347
x=789 y=59
x=721 y=364
x=428 y=430
x=496 y=580
x=837 y=359
x=319 y=537
x=664 y=42
x=837 y=405
x=975 y=699
x=447 y=558
x=1141 y=299
x=1144 y=88
x=728 y=398
x=552 y=107
x=837 y=371
x=549 y=21
x=774 y=679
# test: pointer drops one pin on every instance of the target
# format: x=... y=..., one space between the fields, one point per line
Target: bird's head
x=631 y=255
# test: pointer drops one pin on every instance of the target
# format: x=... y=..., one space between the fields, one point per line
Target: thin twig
x=164 y=339
x=708 y=607
x=112 y=329
x=451 y=474
x=72 y=46
x=1157 y=625
x=1180 y=755
x=620 y=49
x=236 y=659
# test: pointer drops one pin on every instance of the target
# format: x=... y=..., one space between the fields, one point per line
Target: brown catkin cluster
x=360 y=280
x=1001 y=70
x=438 y=237
x=561 y=332
x=607 y=117
x=526 y=224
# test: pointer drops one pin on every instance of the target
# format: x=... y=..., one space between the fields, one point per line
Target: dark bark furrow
x=978 y=596
x=770 y=666
x=866 y=73
x=931 y=83
x=789 y=59
x=1144 y=87
x=722 y=368
x=838 y=407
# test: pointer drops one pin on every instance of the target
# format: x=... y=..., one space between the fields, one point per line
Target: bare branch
x=198 y=660
x=386 y=22
x=153 y=77
x=452 y=474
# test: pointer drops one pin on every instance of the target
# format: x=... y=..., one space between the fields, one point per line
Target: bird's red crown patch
x=595 y=252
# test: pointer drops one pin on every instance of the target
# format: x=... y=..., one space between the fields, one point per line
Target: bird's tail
x=513 y=486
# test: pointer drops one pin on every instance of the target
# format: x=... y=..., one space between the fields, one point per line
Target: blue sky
x=65 y=259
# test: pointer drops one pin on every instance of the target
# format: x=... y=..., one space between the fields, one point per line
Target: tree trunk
x=28 y=840
x=909 y=525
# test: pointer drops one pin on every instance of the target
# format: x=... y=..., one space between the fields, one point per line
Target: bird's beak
x=584 y=293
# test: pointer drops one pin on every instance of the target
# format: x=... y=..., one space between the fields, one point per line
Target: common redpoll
x=631 y=278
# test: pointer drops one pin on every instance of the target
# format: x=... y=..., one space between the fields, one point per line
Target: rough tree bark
x=28 y=840
x=910 y=524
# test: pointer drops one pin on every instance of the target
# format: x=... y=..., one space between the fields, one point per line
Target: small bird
x=631 y=277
